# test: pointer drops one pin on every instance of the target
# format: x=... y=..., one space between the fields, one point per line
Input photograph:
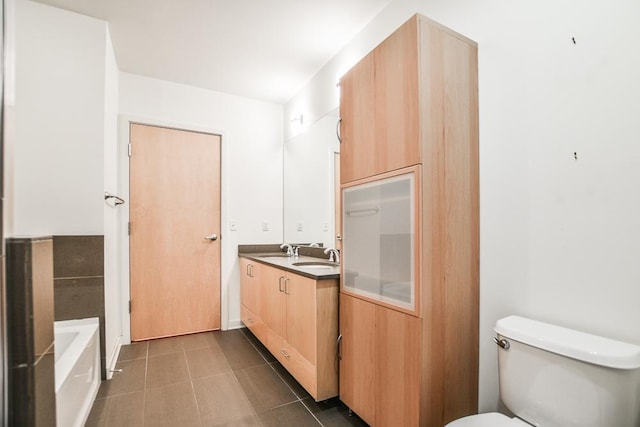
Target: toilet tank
x=557 y=377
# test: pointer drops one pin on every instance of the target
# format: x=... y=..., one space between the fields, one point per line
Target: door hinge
x=129 y=306
x=129 y=228
x=129 y=149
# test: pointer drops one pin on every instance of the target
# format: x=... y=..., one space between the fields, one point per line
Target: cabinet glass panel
x=378 y=226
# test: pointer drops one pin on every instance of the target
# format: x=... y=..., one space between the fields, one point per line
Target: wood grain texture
x=253 y=304
x=272 y=281
x=397 y=368
x=337 y=196
x=300 y=325
x=327 y=336
x=301 y=315
x=357 y=156
x=175 y=203
x=358 y=384
x=439 y=368
x=449 y=133
x=396 y=100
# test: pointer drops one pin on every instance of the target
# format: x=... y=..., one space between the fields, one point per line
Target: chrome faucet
x=289 y=248
x=334 y=253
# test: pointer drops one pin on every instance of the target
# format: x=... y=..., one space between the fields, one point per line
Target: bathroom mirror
x=310 y=182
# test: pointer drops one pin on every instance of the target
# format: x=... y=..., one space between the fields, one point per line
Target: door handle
x=213 y=237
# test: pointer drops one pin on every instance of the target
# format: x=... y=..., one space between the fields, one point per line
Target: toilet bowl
x=492 y=419
x=558 y=377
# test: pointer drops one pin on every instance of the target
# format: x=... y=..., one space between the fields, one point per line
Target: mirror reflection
x=310 y=163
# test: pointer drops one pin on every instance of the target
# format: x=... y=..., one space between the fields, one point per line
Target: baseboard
x=235 y=324
x=111 y=365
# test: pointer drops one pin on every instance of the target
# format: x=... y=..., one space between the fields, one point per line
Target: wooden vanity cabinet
x=413 y=365
x=300 y=318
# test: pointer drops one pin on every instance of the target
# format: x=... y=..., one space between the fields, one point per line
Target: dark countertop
x=273 y=256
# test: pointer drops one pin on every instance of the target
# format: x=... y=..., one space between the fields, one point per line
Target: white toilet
x=557 y=377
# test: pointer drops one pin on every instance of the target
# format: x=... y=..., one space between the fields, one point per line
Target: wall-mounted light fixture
x=297 y=120
x=297 y=124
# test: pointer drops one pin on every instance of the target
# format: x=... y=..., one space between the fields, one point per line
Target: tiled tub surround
x=32 y=400
x=209 y=379
x=78 y=271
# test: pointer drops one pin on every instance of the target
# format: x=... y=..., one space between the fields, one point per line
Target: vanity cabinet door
x=274 y=282
x=246 y=289
x=301 y=315
x=252 y=309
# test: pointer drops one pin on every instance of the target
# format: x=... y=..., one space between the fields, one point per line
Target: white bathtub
x=77 y=369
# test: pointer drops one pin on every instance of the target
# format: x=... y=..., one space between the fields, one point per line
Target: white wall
x=112 y=298
x=560 y=238
x=59 y=119
x=251 y=164
x=65 y=155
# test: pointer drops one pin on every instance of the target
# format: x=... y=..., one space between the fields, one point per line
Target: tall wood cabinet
x=410 y=264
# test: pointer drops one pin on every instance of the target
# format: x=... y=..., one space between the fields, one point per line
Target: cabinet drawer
x=303 y=370
x=254 y=323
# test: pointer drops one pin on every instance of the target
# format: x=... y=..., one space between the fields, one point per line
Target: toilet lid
x=493 y=419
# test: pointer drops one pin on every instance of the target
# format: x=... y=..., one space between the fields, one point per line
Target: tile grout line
x=299 y=398
x=144 y=391
x=193 y=387
x=235 y=376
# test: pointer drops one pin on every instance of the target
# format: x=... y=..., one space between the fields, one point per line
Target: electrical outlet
x=265 y=225
x=233 y=225
x=299 y=226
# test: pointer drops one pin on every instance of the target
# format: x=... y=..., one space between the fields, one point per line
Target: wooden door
x=175 y=204
x=358 y=361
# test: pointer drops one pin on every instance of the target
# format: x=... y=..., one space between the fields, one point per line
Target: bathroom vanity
x=290 y=303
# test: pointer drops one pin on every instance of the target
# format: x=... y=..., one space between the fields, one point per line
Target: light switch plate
x=233 y=225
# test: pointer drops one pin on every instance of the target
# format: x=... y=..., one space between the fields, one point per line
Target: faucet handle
x=334 y=254
x=289 y=248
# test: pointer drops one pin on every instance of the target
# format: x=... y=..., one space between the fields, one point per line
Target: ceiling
x=262 y=49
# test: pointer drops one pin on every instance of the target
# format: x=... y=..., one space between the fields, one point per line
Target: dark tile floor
x=210 y=379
